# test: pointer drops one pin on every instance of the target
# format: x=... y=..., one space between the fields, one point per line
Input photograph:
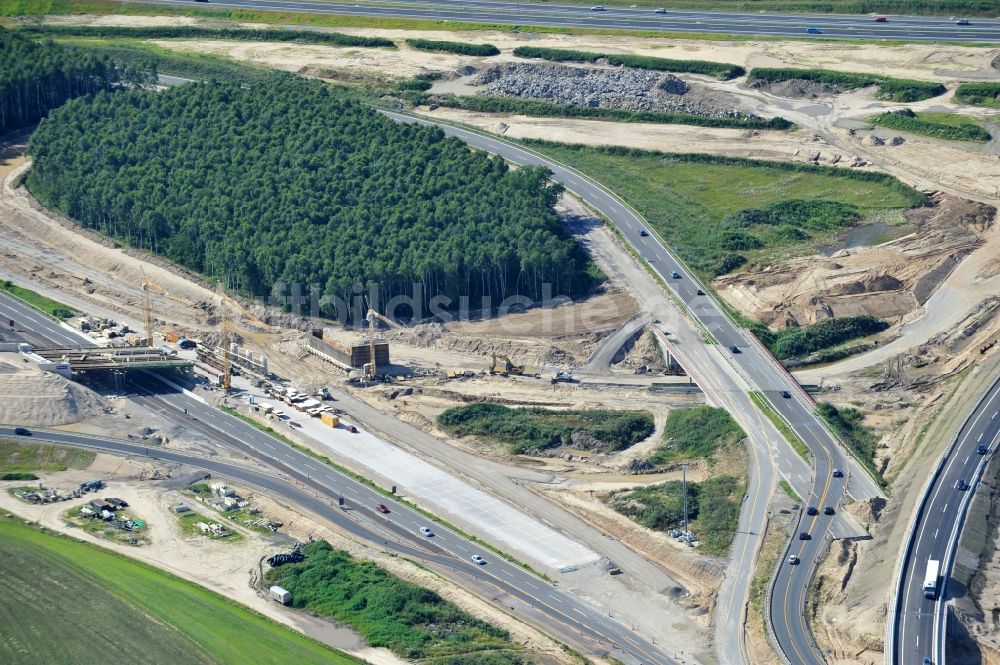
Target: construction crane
x=508 y=368
x=229 y=330
x=147 y=305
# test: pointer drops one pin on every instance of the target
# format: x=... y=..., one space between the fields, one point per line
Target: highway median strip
x=783 y=427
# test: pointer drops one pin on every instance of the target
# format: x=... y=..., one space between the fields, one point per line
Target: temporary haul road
x=562 y=613
x=906 y=28
x=917 y=625
x=755 y=364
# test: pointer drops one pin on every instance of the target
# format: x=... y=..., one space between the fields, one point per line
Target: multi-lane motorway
x=918 y=623
x=909 y=28
x=758 y=368
x=562 y=613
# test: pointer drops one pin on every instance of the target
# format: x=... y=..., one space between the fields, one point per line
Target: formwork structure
x=347 y=357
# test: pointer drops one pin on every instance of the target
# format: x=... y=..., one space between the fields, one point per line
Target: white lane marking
x=966 y=460
x=531 y=585
x=945 y=509
x=935 y=534
x=579 y=612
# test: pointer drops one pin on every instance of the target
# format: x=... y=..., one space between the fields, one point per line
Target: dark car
x=813 y=31
x=828 y=510
x=881 y=19
x=804 y=536
x=812 y=510
x=380 y=507
x=786 y=394
x=735 y=349
x=837 y=473
x=351 y=428
x=22 y=431
x=700 y=292
x=982 y=449
x=644 y=233
x=675 y=275
x=961 y=485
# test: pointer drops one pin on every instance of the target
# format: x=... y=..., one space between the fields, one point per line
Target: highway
x=918 y=623
x=752 y=361
x=561 y=613
x=906 y=28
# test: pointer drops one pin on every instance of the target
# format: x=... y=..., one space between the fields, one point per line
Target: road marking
x=531 y=585
x=966 y=460
x=945 y=508
x=935 y=534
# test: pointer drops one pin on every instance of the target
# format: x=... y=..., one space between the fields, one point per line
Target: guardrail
x=892 y=625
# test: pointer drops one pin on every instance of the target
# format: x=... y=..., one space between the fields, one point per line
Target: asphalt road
x=37 y=328
x=908 y=28
x=919 y=621
x=755 y=364
x=562 y=613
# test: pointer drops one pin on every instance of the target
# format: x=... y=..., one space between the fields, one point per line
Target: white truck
x=931 y=578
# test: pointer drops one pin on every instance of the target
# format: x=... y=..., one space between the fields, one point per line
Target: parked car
x=837 y=473
x=793 y=560
x=22 y=431
x=478 y=560
x=380 y=507
x=828 y=510
x=812 y=510
x=427 y=533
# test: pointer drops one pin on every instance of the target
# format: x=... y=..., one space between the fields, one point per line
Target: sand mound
x=41 y=399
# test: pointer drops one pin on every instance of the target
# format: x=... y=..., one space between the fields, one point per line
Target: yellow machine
x=508 y=366
x=147 y=305
x=229 y=331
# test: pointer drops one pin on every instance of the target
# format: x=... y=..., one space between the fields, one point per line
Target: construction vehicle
x=371 y=367
x=508 y=366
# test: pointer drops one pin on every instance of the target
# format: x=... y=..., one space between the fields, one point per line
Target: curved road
x=918 y=622
x=562 y=613
x=756 y=365
x=906 y=28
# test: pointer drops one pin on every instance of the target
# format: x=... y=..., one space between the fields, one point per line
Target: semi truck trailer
x=931 y=578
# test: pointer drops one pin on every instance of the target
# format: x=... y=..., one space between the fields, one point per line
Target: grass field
x=696 y=433
x=415 y=623
x=688 y=198
x=713 y=508
x=948 y=126
x=18 y=455
x=97 y=607
x=47 y=305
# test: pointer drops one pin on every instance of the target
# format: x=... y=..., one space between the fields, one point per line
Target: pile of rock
x=617 y=88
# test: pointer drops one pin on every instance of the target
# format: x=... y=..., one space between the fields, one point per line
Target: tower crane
x=147 y=305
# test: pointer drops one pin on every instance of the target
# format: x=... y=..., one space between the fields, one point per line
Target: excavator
x=508 y=367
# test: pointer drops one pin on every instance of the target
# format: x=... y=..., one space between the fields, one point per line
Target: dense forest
x=36 y=77
x=290 y=183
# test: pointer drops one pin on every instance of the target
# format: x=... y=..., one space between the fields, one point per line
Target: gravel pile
x=620 y=88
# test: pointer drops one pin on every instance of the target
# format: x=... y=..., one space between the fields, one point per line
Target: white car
x=597 y=8
x=426 y=532
x=478 y=560
x=793 y=560
x=661 y=10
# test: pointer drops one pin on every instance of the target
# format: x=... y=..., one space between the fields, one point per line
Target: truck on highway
x=931 y=578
